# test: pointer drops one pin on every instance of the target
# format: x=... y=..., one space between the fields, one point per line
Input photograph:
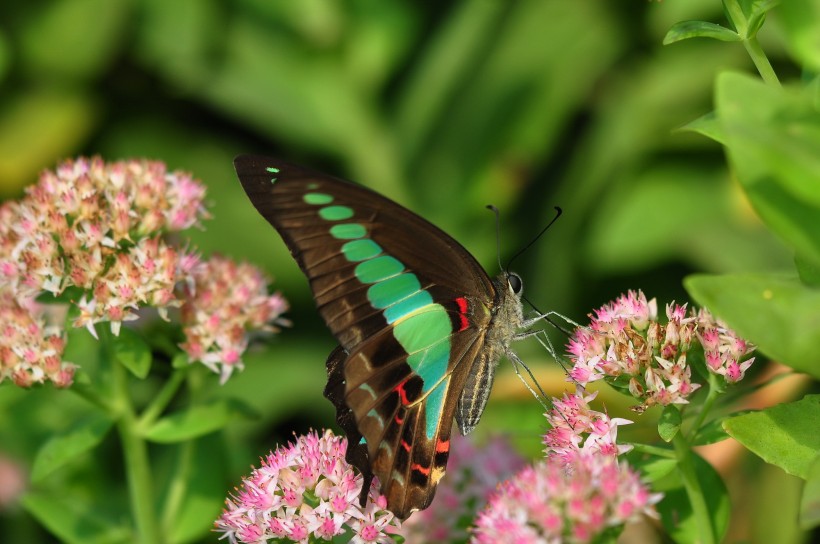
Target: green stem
x=654 y=450
x=711 y=396
x=135 y=451
x=90 y=394
x=762 y=63
x=693 y=489
x=163 y=398
x=178 y=486
x=735 y=15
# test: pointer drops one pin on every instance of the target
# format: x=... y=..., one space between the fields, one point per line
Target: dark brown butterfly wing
x=409 y=306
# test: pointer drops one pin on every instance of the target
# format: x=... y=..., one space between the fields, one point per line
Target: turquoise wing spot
x=318 y=198
x=272 y=170
x=378 y=269
x=386 y=447
x=375 y=415
x=398 y=477
x=361 y=250
x=348 y=231
x=434 y=407
x=366 y=387
x=336 y=213
x=409 y=305
x=393 y=290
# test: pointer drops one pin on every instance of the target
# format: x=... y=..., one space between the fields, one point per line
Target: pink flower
x=223 y=302
x=99 y=227
x=30 y=350
x=554 y=502
x=626 y=341
x=576 y=429
x=473 y=472
x=306 y=490
x=723 y=348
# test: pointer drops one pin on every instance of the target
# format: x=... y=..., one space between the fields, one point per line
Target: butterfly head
x=514 y=283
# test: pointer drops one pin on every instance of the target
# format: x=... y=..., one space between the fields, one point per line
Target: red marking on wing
x=424 y=470
x=405 y=445
x=462 y=313
x=398 y=420
x=402 y=393
x=442 y=446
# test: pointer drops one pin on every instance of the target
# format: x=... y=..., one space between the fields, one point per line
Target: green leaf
x=669 y=423
x=699 y=29
x=710 y=433
x=197 y=421
x=180 y=360
x=63 y=448
x=197 y=480
x=772 y=137
x=757 y=15
x=784 y=435
x=73 y=521
x=808 y=271
x=654 y=469
x=810 y=501
x=707 y=125
x=777 y=313
x=132 y=351
x=801 y=22
x=676 y=511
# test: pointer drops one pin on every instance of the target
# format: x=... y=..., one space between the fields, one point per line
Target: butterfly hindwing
x=410 y=307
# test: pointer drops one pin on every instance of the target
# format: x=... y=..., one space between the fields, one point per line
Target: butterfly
x=420 y=324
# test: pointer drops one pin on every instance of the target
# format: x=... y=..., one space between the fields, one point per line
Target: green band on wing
x=392 y=290
x=361 y=250
x=336 y=213
x=378 y=269
x=434 y=406
x=414 y=302
x=425 y=336
x=318 y=198
x=348 y=231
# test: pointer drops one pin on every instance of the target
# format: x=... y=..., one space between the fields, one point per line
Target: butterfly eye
x=515 y=282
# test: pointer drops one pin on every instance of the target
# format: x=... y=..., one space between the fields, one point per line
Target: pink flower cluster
x=550 y=504
x=97 y=226
x=723 y=349
x=30 y=351
x=98 y=231
x=224 y=300
x=576 y=430
x=625 y=341
x=306 y=491
x=473 y=474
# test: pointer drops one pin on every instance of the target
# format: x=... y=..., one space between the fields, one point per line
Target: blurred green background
x=442 y=106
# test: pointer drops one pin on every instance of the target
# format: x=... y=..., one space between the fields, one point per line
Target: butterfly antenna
x=497 y=234
x=558 y=212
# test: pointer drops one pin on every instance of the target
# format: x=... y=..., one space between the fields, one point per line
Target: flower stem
x=160 y=402
x=654 y=450
x=711 y=396
x=762 y=63
x=693 y=489
x=135 y=452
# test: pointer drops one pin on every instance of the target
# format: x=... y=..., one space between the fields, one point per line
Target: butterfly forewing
x=409 y=306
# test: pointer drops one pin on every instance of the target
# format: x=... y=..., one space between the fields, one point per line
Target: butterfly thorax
x=506 y=321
